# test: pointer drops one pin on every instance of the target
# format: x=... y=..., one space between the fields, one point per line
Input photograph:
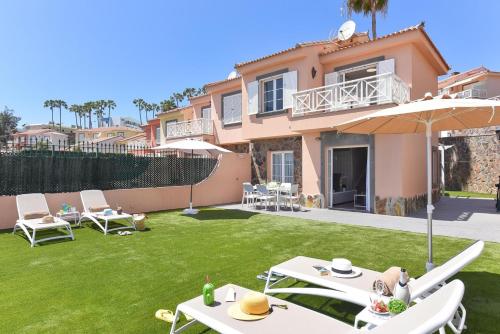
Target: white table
x=70 y=215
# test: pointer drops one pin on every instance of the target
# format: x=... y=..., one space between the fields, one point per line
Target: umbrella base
x=190 y=211
x=429 y=266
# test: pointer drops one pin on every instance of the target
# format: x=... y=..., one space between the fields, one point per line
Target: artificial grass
x=114 y=284
x=468 y=194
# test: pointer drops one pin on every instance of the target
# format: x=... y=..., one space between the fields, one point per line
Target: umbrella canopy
x=428 y=115
x=189 y=145
x=192 y=146
x=443 y=113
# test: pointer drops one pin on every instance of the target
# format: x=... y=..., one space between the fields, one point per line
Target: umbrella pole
x=191 y=179
x=428 y=134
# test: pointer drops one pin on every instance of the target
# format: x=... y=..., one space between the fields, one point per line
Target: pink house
x=283 y=109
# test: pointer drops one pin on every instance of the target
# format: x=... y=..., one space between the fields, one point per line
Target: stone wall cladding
x=237 y=148
x=260 y=148
x=403 y=206
x=473 y=163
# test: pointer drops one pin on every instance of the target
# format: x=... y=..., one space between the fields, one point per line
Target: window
x=95 y=135
x=111 y=135
x=81 y=137
x=157 y=135
x=282 y=167
x=205 y=113
x=272 y=92
x=231 y=108
x=120 y=134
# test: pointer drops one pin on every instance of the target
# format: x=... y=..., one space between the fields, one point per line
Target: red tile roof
x=462 y=76
x=110 y=128
x=214 y=83
x=419 y=27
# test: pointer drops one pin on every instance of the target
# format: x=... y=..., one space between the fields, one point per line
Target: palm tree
x=201 y=91
x=60 y=104
x=167 y=105
x=178 y=98
x=367 y=7
x=189 y=92
x=88 y=107
x=75 y=108
x=111 y=105
x=139 y=103
x=51 y=105
x=99 y=107
x=155 y=108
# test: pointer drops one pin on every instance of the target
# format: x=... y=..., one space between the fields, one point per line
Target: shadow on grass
x=42 y=235
x=217 y=214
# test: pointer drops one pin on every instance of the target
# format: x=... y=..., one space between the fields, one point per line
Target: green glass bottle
x=208 y=292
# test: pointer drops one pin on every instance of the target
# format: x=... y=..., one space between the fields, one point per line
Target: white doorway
x=348 y=177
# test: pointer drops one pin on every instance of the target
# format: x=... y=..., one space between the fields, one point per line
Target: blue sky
x=82 y=50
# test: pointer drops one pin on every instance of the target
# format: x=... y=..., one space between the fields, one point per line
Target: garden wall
x=224 y=185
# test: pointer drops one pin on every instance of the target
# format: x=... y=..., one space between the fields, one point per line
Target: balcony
x=372 y=90
x=472 y=93
x=197 y=127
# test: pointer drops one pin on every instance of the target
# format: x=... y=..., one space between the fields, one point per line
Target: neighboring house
x=283 y=109
x=128 y=122
x=137 y=142
x=472 y=160
x=104 y=134
x=68 y=130
x=39 y=135
x=153 y=132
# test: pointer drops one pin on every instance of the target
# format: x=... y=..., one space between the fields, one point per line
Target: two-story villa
x=283 y=109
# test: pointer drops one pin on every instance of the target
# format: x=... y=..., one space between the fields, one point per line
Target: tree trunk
x=90 y=120
x=140 y=116
x=76 y=121
x=374 y=21
x=109 y=115
x=60 y=119
x=52 y=111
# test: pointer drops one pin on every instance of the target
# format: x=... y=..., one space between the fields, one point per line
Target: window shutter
x=289 y=88
x=385 y=66
x=237 y=107
x=253 y=97
x=331 y=78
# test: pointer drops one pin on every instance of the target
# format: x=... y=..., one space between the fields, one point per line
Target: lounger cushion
x=35 y=215
x=99 y=208
x=38 y=224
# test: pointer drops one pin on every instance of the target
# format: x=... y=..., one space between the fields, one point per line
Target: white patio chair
x=291 y=196
x=94 y=204
x=266 y=197
x=31 y=208
x=249 y=194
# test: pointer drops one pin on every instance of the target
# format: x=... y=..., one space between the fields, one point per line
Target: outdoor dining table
x=278 y=189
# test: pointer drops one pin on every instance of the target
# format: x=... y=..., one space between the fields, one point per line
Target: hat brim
x=356 y=271
x=234 y=311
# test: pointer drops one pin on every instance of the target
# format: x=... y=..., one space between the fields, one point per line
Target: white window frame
x=283 y=169
x=233 y=120
x=263 y=95
x=120 y=134
x=81 y=137
x=209 y=112
x=157 y=135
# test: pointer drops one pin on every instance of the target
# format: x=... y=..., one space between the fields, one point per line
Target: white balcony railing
x=195 y=127
x=472 y=93
x=377 y=89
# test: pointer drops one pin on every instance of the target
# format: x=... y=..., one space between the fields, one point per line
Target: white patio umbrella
x=192 y=146
x=428 y=115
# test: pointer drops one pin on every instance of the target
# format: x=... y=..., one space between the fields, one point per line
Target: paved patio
x=454 y=217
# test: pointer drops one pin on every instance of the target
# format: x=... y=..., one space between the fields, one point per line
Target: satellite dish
x=232 y=75
x=346 y=30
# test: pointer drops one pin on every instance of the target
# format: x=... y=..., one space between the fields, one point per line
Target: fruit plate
x=378 y=313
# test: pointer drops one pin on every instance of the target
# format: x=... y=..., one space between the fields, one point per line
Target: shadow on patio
x=459 y=209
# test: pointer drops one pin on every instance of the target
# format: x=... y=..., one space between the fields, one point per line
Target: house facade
x=152 y=131
x=30 y=137
x=283 y=108
x=472 y=157
x=107 y=135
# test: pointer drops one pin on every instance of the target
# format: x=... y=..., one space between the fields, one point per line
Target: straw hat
x=253 y=306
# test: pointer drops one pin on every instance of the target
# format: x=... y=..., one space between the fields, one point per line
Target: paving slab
x=454 y=217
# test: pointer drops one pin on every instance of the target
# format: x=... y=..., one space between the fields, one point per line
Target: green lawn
x=468 y=194
x=114 y=284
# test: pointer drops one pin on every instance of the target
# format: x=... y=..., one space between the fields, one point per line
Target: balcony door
x=205 y=113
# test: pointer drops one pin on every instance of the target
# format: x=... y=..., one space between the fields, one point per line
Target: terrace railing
x=373 y=90
x=472 y=93
x=190 y=128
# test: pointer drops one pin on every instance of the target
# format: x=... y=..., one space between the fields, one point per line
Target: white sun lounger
x=95 y=199
x=30 y=204
x=357 y=290
x=425 y=317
